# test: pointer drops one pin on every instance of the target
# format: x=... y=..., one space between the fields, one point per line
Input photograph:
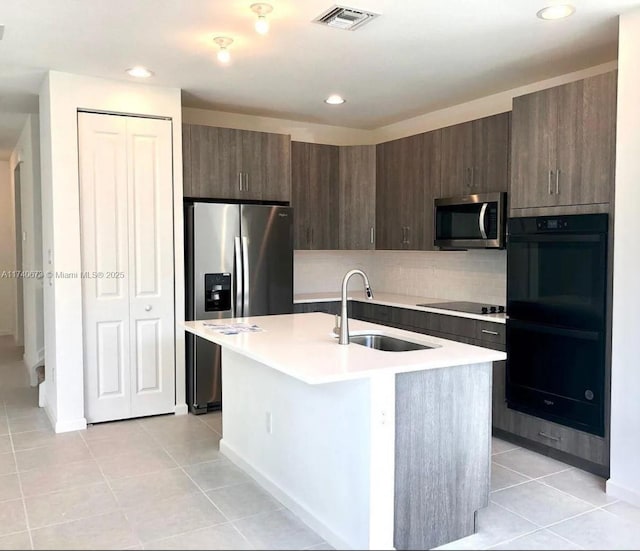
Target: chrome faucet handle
x=369 y=292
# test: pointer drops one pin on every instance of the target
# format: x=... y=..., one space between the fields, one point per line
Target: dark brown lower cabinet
x=572 y=446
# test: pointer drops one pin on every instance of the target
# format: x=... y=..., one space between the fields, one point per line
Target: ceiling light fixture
x=262 y=10
x=224 y=56
x=335 y=99
x=557 y=11
x=139 y=72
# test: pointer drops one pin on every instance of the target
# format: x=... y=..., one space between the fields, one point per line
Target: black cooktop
x=469 y=307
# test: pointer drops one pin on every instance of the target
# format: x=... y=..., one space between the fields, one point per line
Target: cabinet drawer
x=452 y=325
x=491 y=332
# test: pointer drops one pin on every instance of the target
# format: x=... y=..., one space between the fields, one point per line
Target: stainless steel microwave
x=471 y=221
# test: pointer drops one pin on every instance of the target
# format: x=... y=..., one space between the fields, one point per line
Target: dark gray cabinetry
x=563 y=145
x=475 y=156
x=407 y=182
x=315 y=195
x=225 y=163
x=326 y=307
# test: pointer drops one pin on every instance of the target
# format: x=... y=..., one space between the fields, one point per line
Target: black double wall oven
x=556 y=331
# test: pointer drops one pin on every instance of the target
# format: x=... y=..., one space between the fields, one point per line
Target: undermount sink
x=387 y=343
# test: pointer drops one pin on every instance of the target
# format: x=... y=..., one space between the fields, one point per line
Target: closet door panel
x=151 y=262
x=104 y=249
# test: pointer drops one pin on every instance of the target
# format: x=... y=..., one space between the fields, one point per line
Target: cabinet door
x=324 y=165
x=533 y=146
x=276 y=167
x=215 y=162
x=491 y=148
x=300 y=197
x=253 y=158
x=389 y=217
x=357 y=197
x=567 y=183
x=266 y=166
x=186 y=161
x=431 y=186
x=598 y=156
x=456 y=166
x=315 y=195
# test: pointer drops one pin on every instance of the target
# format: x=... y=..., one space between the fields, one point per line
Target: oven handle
x=482 y=223
x=557 y=237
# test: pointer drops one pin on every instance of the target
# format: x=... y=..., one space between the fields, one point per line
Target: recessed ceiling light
x=557 y=11
x=335 y=99
x=139 y=72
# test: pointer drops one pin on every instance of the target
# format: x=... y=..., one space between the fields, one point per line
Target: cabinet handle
x=550 y=177
x=312 y=236
x=549 y=436
x=373 y=238
x=469 y=177
x=246 y=179
x=558 y=182
x=487 y=332
x=408 y=234
x=240 y=181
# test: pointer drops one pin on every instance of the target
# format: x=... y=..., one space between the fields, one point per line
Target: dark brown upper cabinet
x=225 y=163
x=407 y=181
x=315 y=195
x=563 y=145
x=357 y=202
x=475 y=156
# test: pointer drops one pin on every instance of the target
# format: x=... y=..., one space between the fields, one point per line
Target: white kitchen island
x=372 y=449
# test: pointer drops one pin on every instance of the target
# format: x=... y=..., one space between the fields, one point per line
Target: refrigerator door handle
x=237 y=249
x=245 y=277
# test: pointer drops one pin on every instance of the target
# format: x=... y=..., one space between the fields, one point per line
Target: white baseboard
x=181 y=409
x=291 y=503
x=68 y=425
x=621 y=492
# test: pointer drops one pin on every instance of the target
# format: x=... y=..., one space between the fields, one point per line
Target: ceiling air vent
x=348 y=19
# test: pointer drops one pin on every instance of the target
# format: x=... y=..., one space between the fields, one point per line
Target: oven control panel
x=552 y=224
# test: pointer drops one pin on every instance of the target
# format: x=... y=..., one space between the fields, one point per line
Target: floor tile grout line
x=115 y=497
x=201 y=489
x=24 y=502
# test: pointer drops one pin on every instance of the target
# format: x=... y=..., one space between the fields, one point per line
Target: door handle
x=238 y=277
x=482 y=222
x=558 y=182
x=148 y=308
x=550 y=177
x=246 y=280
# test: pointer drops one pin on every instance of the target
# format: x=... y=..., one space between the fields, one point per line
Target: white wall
x=478 y=276
x=7 y=252
x=625 y=392
x=61 y=96
x=27 y=152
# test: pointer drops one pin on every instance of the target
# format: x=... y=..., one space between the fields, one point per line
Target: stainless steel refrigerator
x=239 y=262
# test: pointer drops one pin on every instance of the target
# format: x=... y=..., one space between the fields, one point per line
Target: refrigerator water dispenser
x=217 y=292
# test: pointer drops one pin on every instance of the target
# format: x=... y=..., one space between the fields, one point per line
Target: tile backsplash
x=479 y=276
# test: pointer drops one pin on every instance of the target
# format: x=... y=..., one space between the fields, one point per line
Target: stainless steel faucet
x=344 y=316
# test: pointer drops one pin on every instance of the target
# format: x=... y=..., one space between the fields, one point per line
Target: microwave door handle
x=482 y=220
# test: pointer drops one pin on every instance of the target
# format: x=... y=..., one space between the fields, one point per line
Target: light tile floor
x=160 y=483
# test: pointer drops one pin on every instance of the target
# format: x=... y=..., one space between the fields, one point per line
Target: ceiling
x=420 y=55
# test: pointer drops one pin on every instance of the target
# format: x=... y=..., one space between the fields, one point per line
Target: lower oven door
x=557 y=374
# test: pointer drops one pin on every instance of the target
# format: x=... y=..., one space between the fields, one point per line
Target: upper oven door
x=558 y=279
x=473 y=221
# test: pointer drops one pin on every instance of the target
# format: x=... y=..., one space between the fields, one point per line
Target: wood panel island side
x=372 y=449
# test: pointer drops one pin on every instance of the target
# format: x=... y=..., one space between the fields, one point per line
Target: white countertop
x=399 y=301
x=304 y=347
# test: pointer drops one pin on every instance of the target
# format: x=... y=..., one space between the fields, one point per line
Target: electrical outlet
x=269 y=422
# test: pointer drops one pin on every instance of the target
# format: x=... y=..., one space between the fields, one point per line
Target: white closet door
x=126 y=191
x=151 y=282
x=105 y=250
